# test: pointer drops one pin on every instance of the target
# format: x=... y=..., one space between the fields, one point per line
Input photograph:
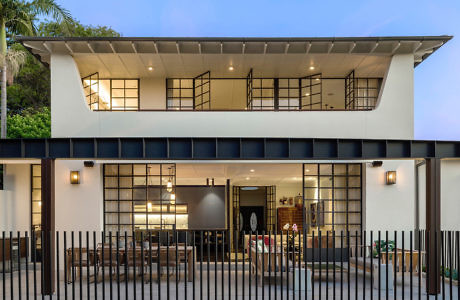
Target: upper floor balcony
x=233 y=87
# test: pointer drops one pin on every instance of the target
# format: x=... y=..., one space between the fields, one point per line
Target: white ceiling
x=269 y=57
x=268 y=65
x=239 y=173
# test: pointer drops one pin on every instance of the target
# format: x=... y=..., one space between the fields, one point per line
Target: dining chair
x=168 y=259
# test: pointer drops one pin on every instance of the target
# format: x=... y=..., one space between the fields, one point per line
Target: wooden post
x=48 y=225
x=433 y=224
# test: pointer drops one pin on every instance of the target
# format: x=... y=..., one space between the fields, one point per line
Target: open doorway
x=254 y=208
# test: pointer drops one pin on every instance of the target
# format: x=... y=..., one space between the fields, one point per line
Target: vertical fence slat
x=244 y=262
x=443 y=266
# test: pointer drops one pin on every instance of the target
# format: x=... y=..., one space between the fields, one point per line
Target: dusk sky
x=437 y=80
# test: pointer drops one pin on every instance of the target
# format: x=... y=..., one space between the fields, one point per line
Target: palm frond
x=14 y=59
x=50 y=8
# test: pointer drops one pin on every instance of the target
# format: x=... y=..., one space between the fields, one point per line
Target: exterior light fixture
x=252 y=170
x=390 y=177
x=150 y=68
x=312 y=68
x=173 y=198
x=307 y=94
x=74 y=177
x=149 y=206
x=231 y=68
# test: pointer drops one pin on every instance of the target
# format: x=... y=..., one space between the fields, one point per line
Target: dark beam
x=48 y=225
x=433 y=224
x=216 y=148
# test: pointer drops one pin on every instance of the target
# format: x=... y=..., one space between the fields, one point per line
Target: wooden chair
x=134 y=259
x=88 y=259
x=108 y=258
x=168 y=259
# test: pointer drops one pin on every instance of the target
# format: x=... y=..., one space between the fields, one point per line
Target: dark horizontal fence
x=228 y=265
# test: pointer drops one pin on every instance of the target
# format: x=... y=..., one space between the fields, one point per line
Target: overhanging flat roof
x=225 y=149
x=420 y=46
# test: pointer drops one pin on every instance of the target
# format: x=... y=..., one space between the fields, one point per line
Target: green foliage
x=383 y=245
x=31 y=86
x=30 y=124
x=75 y=28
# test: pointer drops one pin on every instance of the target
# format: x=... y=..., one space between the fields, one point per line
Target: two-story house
x=230 y=133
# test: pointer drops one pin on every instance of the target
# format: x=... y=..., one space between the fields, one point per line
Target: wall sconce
x=390 y=177
x=74 y=177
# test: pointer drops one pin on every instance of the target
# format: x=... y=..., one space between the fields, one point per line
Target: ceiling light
x=312 y=68
x=307 y=170
x=247 y=178
x=252 y=170
x=150 y=68
x=307 y=94
x=231 y=68
x=169 y=186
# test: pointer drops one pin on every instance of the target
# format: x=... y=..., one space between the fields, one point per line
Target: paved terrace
x=211 y=289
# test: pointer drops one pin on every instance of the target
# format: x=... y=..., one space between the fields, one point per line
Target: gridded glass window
x=111 y=94
x=36 y=209
x=36 y=197
x=361 y=93
x=332 y=197
x=367 y=92
x=289 y=94
x=311 y=92
x=140 y=197
x=91 y=88
x=262 y=94
x=179 y=94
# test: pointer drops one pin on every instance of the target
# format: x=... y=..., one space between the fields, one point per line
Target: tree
x=31 y=86
x=30 y=124
x=74 y=28
x=18 y=17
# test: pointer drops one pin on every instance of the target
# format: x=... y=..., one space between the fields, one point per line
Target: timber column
x=48 y=225
x=433 y=224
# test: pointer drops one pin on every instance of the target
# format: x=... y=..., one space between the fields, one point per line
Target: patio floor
x=210 y=289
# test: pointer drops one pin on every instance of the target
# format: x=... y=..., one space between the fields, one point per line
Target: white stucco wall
x=390 y=207
x=393 y=118
x=79 y=207
x=15 y=198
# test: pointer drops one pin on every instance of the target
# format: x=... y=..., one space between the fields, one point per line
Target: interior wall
x=287 y=190
x=206 y=206
x=333 y=93
x=228 y=94
x=152 y=93
x=253 y=198
x=15 y=198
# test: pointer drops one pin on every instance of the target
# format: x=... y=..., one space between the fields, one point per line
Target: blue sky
x=437 y=83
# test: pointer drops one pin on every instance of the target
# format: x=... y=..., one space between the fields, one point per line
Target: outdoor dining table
x=182 y=251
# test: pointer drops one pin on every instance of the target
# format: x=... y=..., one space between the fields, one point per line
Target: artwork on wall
x=316 y=214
